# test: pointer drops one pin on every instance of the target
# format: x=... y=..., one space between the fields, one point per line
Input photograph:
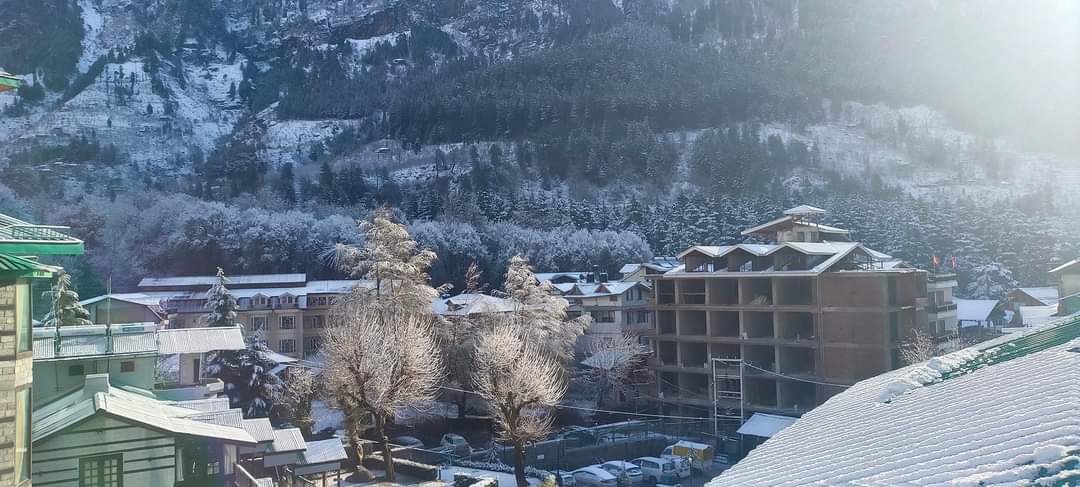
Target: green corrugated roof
x=8 y=81
x=1050 y=336
x=21 y=238
x=11 y=264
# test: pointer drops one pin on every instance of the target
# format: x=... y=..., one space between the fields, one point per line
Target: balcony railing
x=940 y=307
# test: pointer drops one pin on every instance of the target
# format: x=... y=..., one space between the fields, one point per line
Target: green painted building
x=20 y=243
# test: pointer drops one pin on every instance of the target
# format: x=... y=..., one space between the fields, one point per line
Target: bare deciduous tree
x=380 y=362
x=918 y=347
x=612 y=362
x=296 y=398
x=541 y=313
x=520 y=382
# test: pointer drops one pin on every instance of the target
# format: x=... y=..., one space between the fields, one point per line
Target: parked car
x=567 y=478
x=682 y=465
x=656 y=470
x=580 y=434
x=407 y=441
x=628 y=474
x=455 y=445
x=593 y=476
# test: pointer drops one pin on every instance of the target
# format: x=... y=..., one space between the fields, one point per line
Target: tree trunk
x=462 y=399
x=354 y=443
x=388 y=460
x=519 y=464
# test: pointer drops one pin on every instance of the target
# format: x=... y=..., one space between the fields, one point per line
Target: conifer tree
x=66 y=310
x=220 y=303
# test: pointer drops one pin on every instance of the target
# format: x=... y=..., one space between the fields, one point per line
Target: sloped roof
x=200 y=340
x=20 y=265
x=1003 y=411
x=765 y=425
x=1045 y=295
x=549 y=276
x=86 y=402
x=239 y=280
x=209 y=404
x=288 y=440
x=974 y=309
x=150 y=299
x=790 y=219
x=1037 y=315
x=588 y=290
x=323 y=451
x=260 y=429
x=467 y=304
x=21 y=238
x=1066 y=266
x=805 y=210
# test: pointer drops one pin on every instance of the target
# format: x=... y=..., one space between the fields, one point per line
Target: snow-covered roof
x=278 y=358
x=287 y=440
x=260 y=429
x=765 y=425
x=805 y=210
x=1044 y=295
x=835 y=251
x=149 y=299
x=323 y=451
x=551 y=276
x=590 y=290
x=1002 y=412
x=789 y=220
x=313 y=287
x=1066 y=266
x=467 y=304
x=1037 y=315
x=240 y=280
x=98 y=396
x=200 y=340
x=974 y=309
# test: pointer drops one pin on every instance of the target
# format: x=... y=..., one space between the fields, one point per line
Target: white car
x=682 y=465
x=594 y=476
x=656 y=470
x=628 y=474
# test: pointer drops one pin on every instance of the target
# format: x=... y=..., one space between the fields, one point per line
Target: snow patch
x=926 y=373
x=1046 y=460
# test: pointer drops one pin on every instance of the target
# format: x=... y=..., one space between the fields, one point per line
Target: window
x=603 y=316
x=127 y=366
x=613 y=298
x=287 y=323
x=23 y=412
x=287 y=345
x=258 y=323
x=103 y=471
x=22 y=315
x=317 y=321
x=75 y=370
x=312 y=344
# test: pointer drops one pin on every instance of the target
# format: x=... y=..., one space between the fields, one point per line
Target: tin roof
x=200 y=340
x=323 y=451
x=133 y=339
x=21 y=238
x=97 y=396
x=288 y=440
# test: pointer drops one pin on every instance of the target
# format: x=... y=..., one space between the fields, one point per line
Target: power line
x=795 y=378
x=562 y=406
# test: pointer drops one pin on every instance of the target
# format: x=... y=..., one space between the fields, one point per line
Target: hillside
x=922 y=125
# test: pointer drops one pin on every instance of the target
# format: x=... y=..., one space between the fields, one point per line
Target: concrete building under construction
x=789 y=323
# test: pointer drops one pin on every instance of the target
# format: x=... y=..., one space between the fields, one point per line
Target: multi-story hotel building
x=808 y=315
x=288 y=311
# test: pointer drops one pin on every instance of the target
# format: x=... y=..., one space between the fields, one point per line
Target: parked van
x=656 y=470
x=700 y=454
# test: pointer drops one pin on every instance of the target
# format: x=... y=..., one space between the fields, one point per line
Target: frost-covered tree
x=246 y=373
x=297 y=393
x=990 y=281
x=65 y=309
x=917 y=347
x=521 y=382
x=391 y=258
x=379 y=361
x=611 y=364
x=220 y=303
x=540 y=314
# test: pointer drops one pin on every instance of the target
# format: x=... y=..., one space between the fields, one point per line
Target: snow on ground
x=93 y=22
x=326 y=417
x=447 y=474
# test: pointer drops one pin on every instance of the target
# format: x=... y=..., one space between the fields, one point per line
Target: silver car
x=628 y=474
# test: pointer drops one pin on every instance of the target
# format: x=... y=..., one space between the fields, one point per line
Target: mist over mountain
x=578 y=131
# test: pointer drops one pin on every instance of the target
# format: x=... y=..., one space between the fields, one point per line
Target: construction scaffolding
x=727 y=378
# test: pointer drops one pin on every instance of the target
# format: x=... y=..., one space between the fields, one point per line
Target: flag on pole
x=952 y=259
x=936 y=261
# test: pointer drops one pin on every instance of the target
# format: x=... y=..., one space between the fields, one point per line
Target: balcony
x=940 y=307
